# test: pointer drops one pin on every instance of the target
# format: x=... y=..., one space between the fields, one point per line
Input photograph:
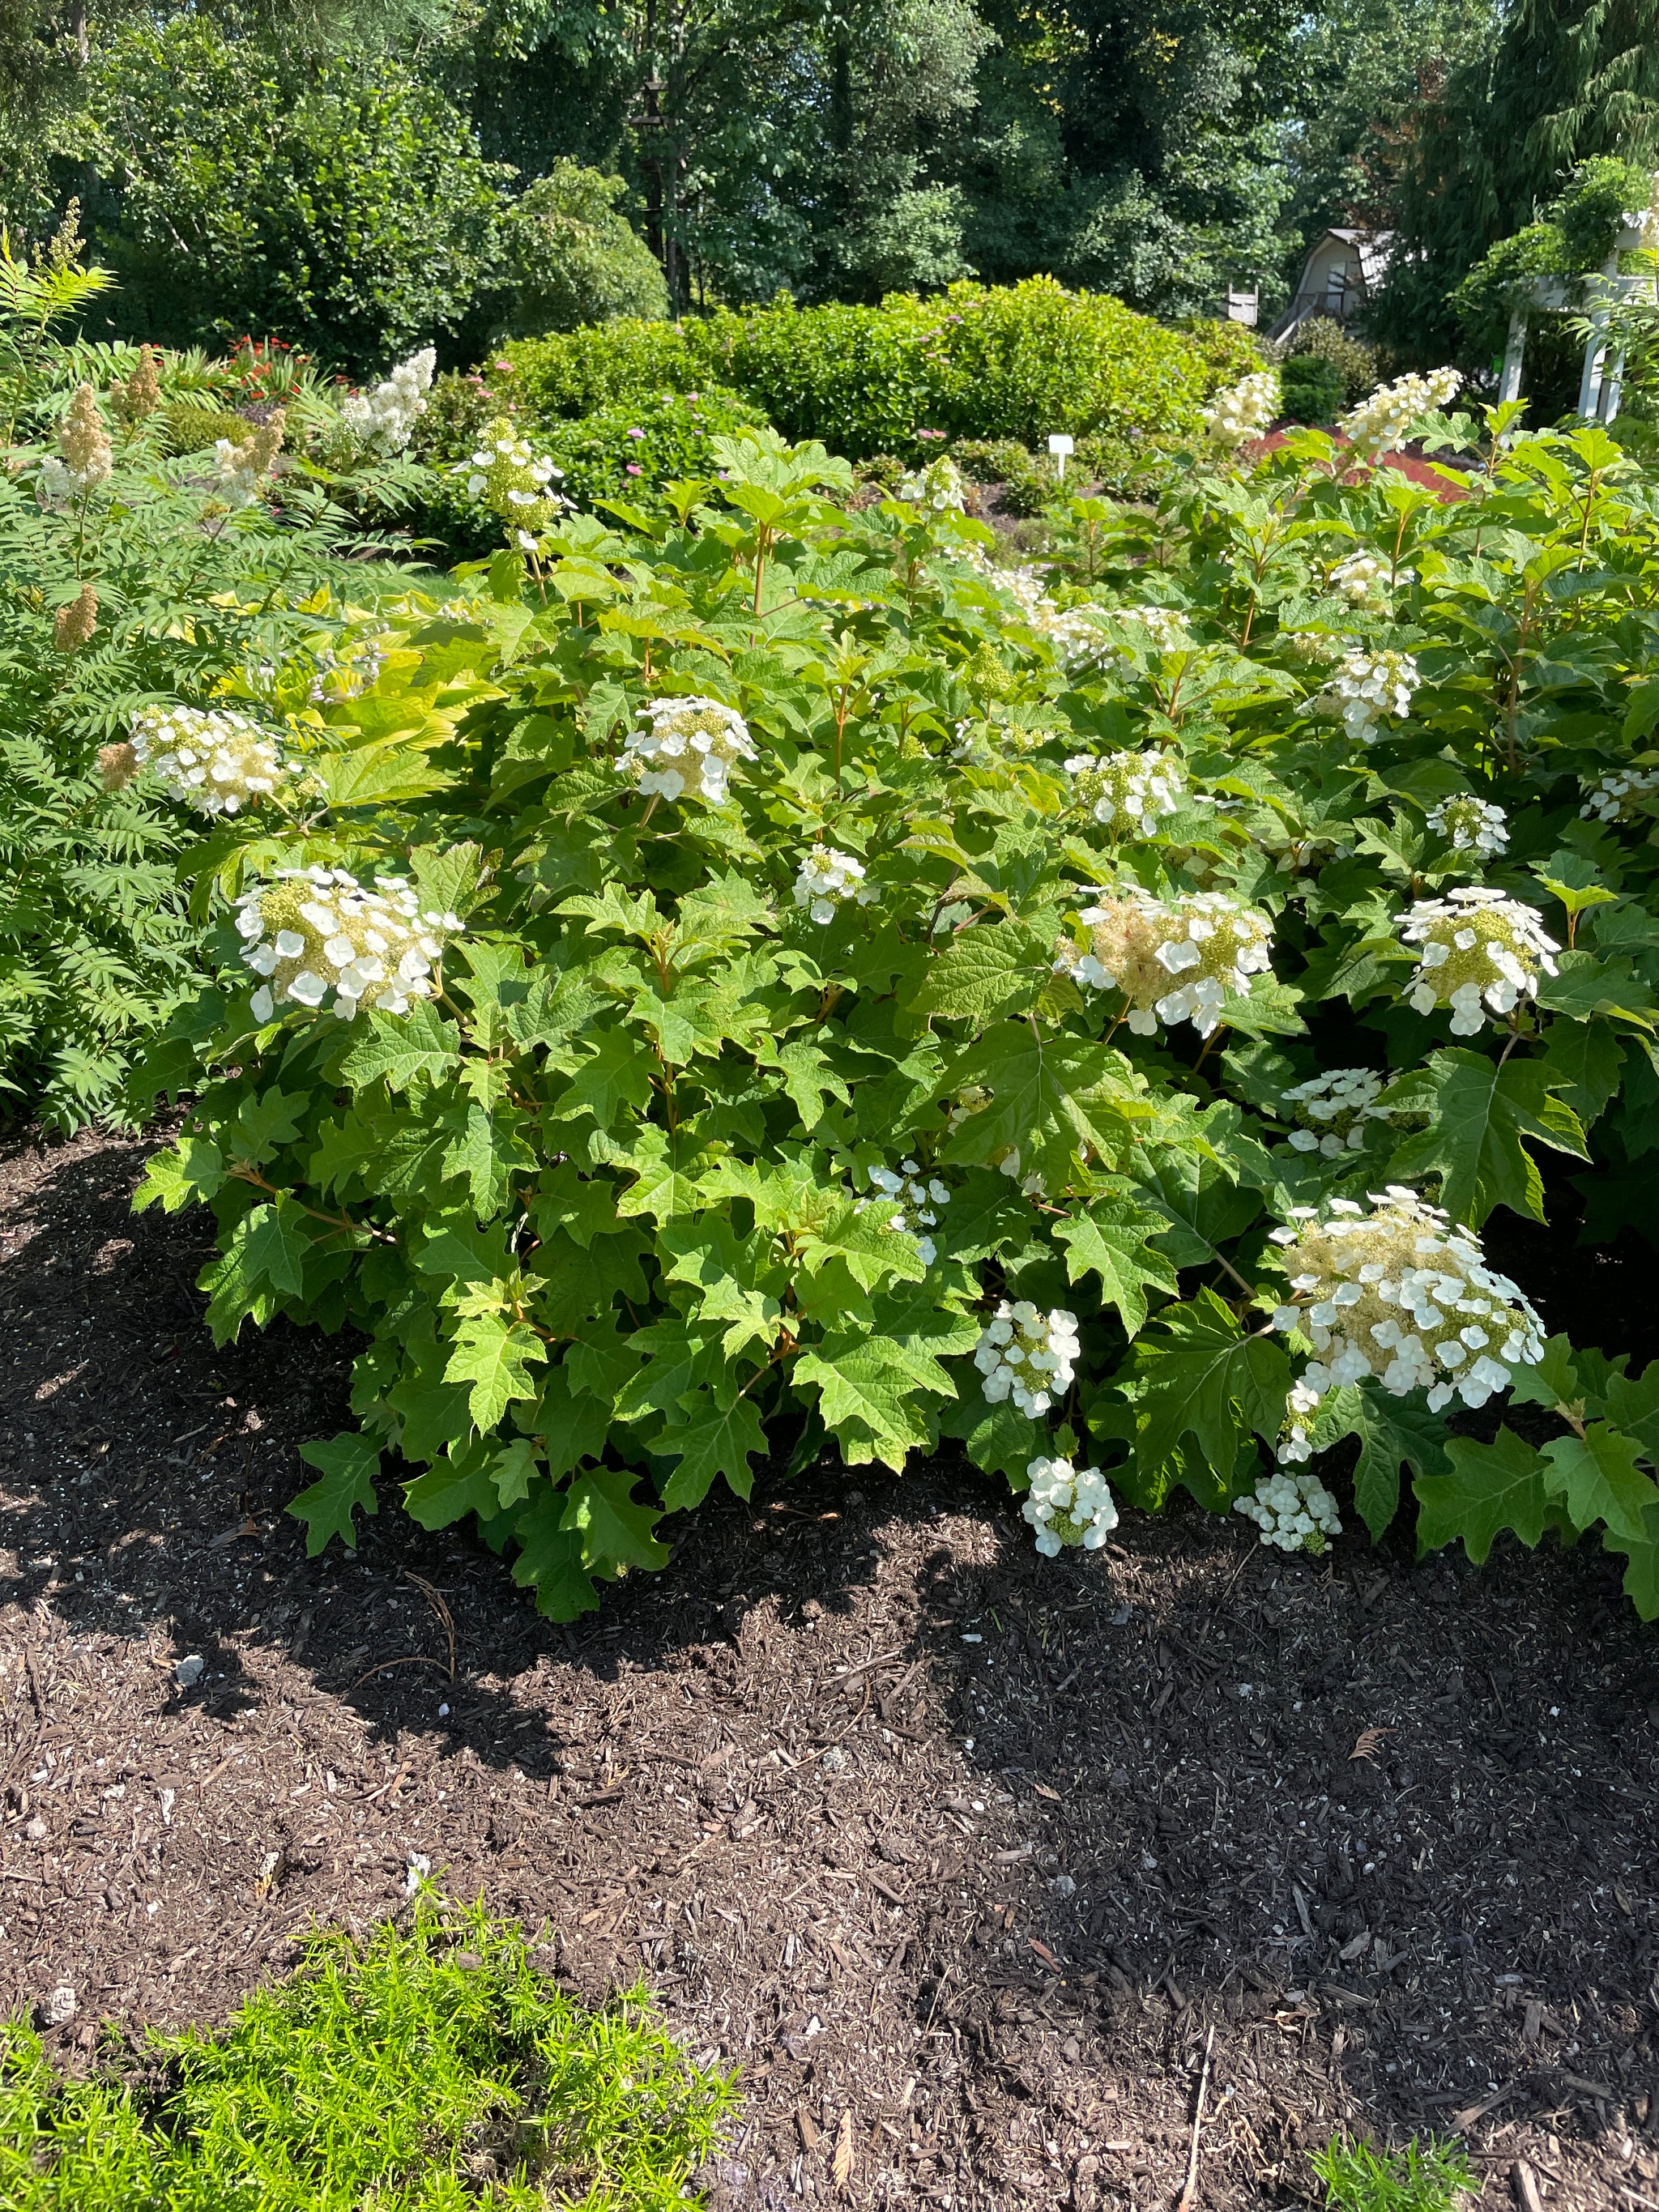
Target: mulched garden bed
x=960 y=1854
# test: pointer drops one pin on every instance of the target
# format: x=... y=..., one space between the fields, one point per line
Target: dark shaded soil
x=960 y=1854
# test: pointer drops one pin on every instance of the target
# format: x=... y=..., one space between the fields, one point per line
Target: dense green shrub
x=973 y=363
x=632 y=452
x=1326 y=339
x=572 y=258
x=851 y=996
x=427 y=2069
x=1028 y=480
x=1313 y=388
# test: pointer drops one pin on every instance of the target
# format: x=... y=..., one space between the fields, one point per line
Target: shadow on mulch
x=959 y=1853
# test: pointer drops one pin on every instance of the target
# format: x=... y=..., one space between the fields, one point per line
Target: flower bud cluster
x=1362 y=579
x=73 y=625
x=241 y=470
x=1244 y=410
x=1469 y=824
x=1332 y=1111
x=140 y=397
x=317 y=930
x=1067 y=1508
x=1388 y=415
x=937 y=487
x=1128 y=792
x=208 y=757
x=1476 y=945
x=921 y=1196
x=84 y=459
x=1027 y=1355
x=828 y=879
x=1294 y=1512
x=1369 y=685
x=690 y=739
x=1400 y=1294
x=346 y=675
x=513 y=483
x=383 y=420
x=1617 y=794
x=1173 y=962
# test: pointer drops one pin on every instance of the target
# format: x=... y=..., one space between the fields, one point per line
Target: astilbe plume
x=73 y=625
x=689 y=740
x=1471 y=825
x=1173 y=961
x=1244 y=410
x=242 y=469
x=1128 y=794
x=137 y=399
x=84 y=460
x=1069 y=1509
x=1388 y=415
x=208 y=757
x=1402 y=1295
x=829 y=880
x=318 y=930
x=1476 y=947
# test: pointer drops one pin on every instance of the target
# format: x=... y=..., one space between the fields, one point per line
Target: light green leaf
x=512 y=1470
x=1597 y=1476
x=1110 y=1240
x=1199 y=1375
x=867 y=1396
x=187 y=1175
x=348 y=1462
x=1490 y=1487
x=1479 y=1114
x=457 y=1484
x=400 y=1048
x=494 y=1355
x=275 y=1243
x=983 y=972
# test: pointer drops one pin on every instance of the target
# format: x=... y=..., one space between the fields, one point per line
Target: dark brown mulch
x=960 y=1854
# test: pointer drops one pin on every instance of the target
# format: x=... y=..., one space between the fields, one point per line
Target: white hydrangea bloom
x=513 y=481
x=1027 y=1355
x=1369 y=685
x=1403 y=1295
x=1469 y=824
x=1617 y=793
x=1173 y=961
x=829 y=879
x=1388 y=415
x=1362 y=579
x=920 y=1195
x=1332 y=1110
x=1128 y=792
x=1294 y=1512
x=1076 y=639
x=689 y=741
x=318 y=930
x=1477 y=946
x=1244 y=410
x=938 y=487
x=208 y=757
x=383 y=419
x=1069 y=1509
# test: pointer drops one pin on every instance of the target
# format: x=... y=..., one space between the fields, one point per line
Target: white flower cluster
x=1076 y=639
x=938 y=486
x=1174 y=962
x=1400 y=1294
x=1617 y=793
x=1369 y=685
x=347 y=675
x=239 y=469
x=1362 y=579
x=1067 y=1508
x=1027 y=1355
x=513 y=481
x=921 y=1196
x=1295 y=1512
x=828 y=879
x=1128 y=792
x=383 y=419
x=317 y=930
x=1388 y=415
x=84 y=459
x=208 y=757
x=689 y=739
x=1476 y=944
x=1469 y=824
x=1332 y=1111
x=1244 y=410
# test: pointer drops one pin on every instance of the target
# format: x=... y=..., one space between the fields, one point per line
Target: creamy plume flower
x=138 y=398
x=1067 y=1508
x=383 y=419
x=1475 y=946
x=319 y=931
x=690 y=742
x=1027 y=1355
x=1244 y=410
x=208 y=757
x=829 y=880
x=73 y=626
x=118 y=764
x=1471 y=825
x=1128 y=794
x=1389 y=415
x=84 y=460
x=242 y=469
x=1173 y=960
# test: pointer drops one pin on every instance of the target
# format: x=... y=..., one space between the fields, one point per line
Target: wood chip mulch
x=959 y=1855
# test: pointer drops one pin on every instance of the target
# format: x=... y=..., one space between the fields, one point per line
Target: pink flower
x=633 y=434
x=634 y=470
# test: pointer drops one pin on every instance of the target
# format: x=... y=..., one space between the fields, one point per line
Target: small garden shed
x=1340 y=275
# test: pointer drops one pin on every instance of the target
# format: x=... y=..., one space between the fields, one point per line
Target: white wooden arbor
x=1595 y=294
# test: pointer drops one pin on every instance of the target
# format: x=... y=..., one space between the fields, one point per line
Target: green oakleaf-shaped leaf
x=401 y=1047
x=494 y=1355
x=349 y=1463
x=1597 y=1476
x=1632 y=1407
x=983 y=972
x=1000 y=1439
x=1492 y=1487
x=1641 y=1573
x=867 y=1395
x=458 y=1483
x=551 y=1558
x=1110 y=1240
x=1199 y=1375
x=1393 y=1432
x=188 y=1174
x=1478 y=1112
x=714 y=1440
x=616 y=1533
x=276 y=1244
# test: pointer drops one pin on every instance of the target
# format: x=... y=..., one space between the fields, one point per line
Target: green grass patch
x=430 y=2068
x=1423 y=2177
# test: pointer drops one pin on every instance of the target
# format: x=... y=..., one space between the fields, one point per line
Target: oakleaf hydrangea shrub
x=735 y=996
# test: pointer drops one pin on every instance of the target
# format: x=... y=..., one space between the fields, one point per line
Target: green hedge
x=1015 y=362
